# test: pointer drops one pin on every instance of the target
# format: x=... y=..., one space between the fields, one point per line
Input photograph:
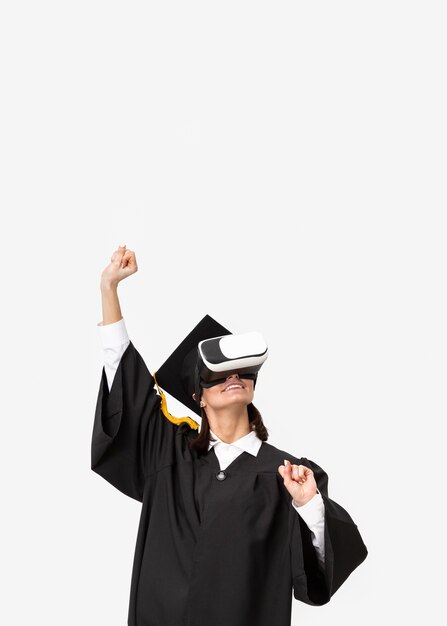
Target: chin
x=239 y=401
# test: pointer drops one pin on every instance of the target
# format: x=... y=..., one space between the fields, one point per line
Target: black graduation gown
x=208 y=551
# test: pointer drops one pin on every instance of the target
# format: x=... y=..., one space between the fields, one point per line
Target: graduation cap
x=204 y=358
x=177 y=373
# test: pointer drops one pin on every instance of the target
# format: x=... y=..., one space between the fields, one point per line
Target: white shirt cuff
x=113 y=335
x=313 y=511
x=313 y=514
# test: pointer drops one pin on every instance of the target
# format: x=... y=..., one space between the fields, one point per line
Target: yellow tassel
x=171 y=418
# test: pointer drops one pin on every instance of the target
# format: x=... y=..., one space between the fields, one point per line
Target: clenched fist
x=123 y=264
x=299 y=481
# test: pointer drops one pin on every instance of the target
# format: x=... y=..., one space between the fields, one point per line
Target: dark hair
x=201 y=443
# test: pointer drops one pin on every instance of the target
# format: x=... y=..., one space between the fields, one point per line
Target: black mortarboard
x=177 y=374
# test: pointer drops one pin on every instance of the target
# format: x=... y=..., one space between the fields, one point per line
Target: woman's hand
x=299 y=481
x=123 y=264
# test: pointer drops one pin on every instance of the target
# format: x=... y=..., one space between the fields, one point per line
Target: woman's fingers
x=129 y=259
x=124 y=257
x=297 y=472
x=123 y=264
x=118 y=255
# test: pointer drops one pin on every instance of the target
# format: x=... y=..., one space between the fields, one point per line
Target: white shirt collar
x=249 y=442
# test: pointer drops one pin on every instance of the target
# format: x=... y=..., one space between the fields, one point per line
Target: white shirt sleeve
x=114 y=341
x=313 y=514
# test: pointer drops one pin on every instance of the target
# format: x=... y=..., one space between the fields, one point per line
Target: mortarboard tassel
x=171 y=418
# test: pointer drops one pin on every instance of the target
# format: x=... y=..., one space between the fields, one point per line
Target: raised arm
x=123 y=264
x=112 y=329
x=131 y=438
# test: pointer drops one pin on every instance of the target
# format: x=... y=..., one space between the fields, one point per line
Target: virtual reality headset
x=219 y=357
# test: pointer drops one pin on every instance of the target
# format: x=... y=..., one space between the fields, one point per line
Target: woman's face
x=234 y=390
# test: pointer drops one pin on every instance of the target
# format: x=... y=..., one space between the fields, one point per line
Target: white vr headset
x=219 y=357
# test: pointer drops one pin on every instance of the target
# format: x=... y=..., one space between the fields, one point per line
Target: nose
x=235 y=374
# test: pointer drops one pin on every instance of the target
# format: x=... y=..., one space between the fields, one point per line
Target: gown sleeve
x=131 y=437
x=313 y=583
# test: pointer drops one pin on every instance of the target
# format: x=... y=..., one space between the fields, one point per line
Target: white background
x=278 y=165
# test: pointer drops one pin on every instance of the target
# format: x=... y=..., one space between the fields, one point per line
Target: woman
x=230 y=525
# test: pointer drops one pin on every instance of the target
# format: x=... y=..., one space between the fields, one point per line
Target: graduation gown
x=228 y=551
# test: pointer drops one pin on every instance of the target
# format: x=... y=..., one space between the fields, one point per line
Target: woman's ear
x=202 y=404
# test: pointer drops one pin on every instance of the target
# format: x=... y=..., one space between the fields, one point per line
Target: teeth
x=233 y=387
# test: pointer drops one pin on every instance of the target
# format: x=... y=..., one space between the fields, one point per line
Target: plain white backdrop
x=278 y=165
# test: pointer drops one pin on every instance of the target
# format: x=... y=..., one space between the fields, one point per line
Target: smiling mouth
x=233 y=386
